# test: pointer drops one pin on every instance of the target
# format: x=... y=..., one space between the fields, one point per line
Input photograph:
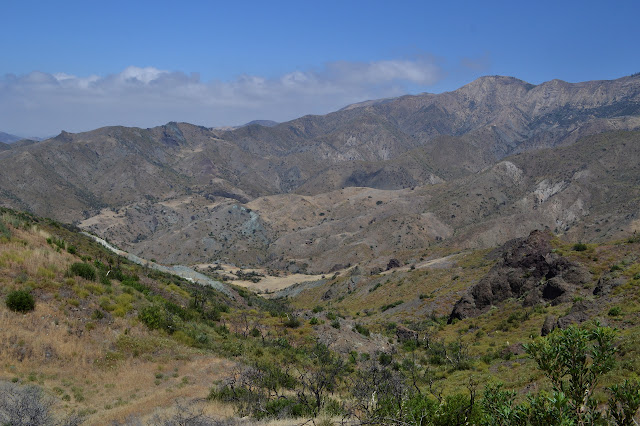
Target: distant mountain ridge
x=447 y=140
x=9 y=138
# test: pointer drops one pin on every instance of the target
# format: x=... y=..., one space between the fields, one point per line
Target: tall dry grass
x=78 y=359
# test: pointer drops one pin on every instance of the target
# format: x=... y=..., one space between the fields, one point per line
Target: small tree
x=574 y=359
x=319 y=377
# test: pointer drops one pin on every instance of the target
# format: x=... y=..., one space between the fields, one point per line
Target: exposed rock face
x=606 y=283
x=528 y=270
x=393 y=263
x=579 y=313
x=405 y=334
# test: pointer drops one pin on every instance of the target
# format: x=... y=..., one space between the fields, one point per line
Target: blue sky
x=80 y=65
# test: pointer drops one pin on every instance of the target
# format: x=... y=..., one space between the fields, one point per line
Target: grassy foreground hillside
x=110 y=341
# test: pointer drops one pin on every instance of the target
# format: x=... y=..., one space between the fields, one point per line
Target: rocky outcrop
x=550 y=323
x=607 y=283
x=580 y=312
x=406 y=334
x=528 y=270
x=393 y=263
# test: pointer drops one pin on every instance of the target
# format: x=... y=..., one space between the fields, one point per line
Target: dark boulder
x=393 y=263
x=554 y=289
x=514 y=349
x=405 y=334
x=579 y=313
x=464 y=308
x=550 y=323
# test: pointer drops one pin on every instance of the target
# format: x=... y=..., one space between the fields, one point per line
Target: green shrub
x=83 y=270
x=362 y=330
x=58 y=242
x=624 y=402
x=579 y=247
x=391 y=305
x=375 y=287
x=129 y=282
x=615 y=311
x=292 y=322
x=4 y=231
x=20 y=301
x=313 y=321
x=153 y=317
x=385 y=358
x=564 y=356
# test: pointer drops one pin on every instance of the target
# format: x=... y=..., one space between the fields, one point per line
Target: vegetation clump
x=362 y=329
x=20 y=301
x=579 y=247
x=391 y=305
x=83 y=270
x=5 y=233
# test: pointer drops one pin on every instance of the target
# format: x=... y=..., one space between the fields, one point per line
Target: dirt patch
x=439 y=263
x=267 y=284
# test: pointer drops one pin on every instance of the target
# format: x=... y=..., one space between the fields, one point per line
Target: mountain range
x=397 y=177
x=6 y=138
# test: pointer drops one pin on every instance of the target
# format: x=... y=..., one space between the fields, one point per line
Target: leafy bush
x=624 y=402
x=375 y=287
x=292 y=322
x=136 y=285
x=579 y=247
x=574 y=359
x=362 y=330
x=58 y=242
x=83 y=270
x=384 y=358
x=615 y=311
x=155 y=317
x=20 y=301
x=283 y=407
x=4 y=231
x=391 y=305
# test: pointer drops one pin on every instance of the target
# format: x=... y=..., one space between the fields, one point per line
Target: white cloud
x=143 y=75
x=43 y=104
x=421 y=72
